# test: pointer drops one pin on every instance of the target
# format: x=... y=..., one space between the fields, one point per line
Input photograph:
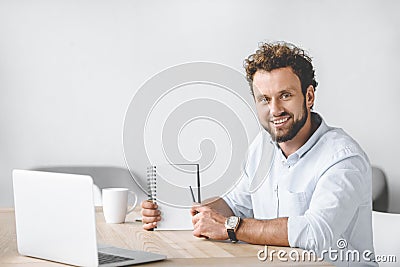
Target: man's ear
x=310 y=96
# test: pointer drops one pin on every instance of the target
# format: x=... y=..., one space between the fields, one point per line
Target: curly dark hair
x=277 y=55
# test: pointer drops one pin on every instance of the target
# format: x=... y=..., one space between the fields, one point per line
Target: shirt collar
x=321 y=130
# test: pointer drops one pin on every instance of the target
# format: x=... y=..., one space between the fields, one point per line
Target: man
x=317 y=192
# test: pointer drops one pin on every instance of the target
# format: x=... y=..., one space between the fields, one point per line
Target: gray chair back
x=380 y=194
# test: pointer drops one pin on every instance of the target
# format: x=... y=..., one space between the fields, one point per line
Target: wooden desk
x=181 y=248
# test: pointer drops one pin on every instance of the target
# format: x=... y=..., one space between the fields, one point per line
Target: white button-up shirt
x=324 y=189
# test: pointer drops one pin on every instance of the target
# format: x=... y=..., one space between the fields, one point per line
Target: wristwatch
x=231 y=225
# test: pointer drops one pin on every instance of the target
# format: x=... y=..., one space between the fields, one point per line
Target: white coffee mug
x=115 y=204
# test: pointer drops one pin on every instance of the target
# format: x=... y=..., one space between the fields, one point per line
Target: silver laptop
x=55 y=220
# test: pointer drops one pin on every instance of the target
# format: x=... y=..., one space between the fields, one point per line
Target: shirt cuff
x=237 y=209
x=231 y=205
x=299 y=233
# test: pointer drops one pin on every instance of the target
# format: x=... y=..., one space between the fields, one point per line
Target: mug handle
x=134 y=204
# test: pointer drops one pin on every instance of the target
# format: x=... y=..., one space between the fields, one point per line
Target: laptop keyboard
x=108 y=258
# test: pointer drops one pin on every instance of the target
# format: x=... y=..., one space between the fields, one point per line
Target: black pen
x=191 y=191
x=194 y=200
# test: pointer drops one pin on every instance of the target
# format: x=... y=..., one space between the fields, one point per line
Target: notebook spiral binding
x=152 y=183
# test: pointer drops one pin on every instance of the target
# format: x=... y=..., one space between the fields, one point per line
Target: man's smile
x=280 y=121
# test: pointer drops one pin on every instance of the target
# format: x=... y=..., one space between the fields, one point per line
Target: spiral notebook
x=169 y=187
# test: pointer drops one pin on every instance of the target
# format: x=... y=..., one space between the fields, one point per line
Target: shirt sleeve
x=341 y=190
x=239 y=199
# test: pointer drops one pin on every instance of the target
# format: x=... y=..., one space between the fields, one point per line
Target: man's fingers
x=196 y=217
x=193 y=211
x=150 y=213
x=148 y=204
x=196 y=233
x=197 y=208
x=196 y=230
x=149 y=226
x=151 y=219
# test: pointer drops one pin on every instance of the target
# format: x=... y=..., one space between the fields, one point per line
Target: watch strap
x=232 y=235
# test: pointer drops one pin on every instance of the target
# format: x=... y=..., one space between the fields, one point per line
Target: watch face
x=232 y=221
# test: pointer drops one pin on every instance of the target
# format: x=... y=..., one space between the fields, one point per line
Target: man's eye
x=264 y=100
x=287 y=95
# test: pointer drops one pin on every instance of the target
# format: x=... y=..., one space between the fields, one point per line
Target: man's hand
x=150 y=214
x=208 y=223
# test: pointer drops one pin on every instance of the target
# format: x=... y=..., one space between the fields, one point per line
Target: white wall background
x=68 y=69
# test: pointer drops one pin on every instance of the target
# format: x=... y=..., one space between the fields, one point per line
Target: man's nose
x=275 y=107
